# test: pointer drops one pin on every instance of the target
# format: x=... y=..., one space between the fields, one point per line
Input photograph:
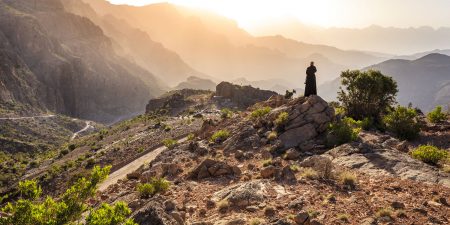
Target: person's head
x=312 y=63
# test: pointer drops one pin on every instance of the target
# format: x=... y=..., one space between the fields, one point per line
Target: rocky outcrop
x=308 y=118
x=383 y=158
x=211 y=168
x=242 y=96
x=175 y=102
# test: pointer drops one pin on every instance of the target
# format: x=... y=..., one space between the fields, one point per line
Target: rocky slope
x=249 y=178
x=64 y=63
x=266 y=169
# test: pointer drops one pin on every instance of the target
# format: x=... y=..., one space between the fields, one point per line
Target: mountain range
x=424 y=82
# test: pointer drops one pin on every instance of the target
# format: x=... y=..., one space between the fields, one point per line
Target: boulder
x=308 y=118
x=153 y=213
x=243 y=194
x=212 y=168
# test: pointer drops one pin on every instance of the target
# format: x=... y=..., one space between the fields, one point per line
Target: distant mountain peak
x=434 y=57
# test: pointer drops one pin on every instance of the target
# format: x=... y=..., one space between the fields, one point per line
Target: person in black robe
x=310 y=84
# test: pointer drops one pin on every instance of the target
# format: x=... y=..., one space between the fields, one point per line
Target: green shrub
x=191 y=137
x=402 y=122
x=343 y=131
x=29 y=189
x=260 y=112
x=72 y=147
x=64 y=209
x=64 y=152
x=272 y=136
x=429 y=154
x=437 y=115
x=366 y=94
x=226 y=113
x=156 y=185
x=170 y=143
x=282 y=119
x=220 y=136
x=110 y=215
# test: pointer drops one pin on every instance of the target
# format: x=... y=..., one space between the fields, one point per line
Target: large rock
x=153 y=213
x=380 y=159
x=308 y=118
x=243 y=96
x=174 y=102
x=212 y=168
x=242 y=195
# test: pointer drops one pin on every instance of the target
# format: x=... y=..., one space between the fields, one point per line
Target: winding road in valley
x=26 y=117
x=133 y=166
x=87 y=127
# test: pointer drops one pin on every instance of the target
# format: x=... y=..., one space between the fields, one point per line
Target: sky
x=324 y=13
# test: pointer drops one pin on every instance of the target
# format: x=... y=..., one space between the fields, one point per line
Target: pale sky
x=326 y=13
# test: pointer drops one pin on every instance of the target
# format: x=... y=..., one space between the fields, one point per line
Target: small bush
x=156 y=185
x=261 y=112
x=384 y=212
x=343 y=217
x=255 y=221
x=223 y=206
x=146 y=190
x=437 y=116
x=343 y=131
x=272 y=136
x=310 y=173
x=282 y=119
x=170 y=143
x=220 y=136
x=402 y=122
x=72 y=147
x=29 y=189
x=347 y=178
x=429 y=154
x=267 y=163
x=191 y=137
x=64 y=152
x=226 y=113
x=110 y=215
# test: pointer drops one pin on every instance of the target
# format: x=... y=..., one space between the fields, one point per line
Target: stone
x=268 y=172
x=133 y=176
x=212 y=168
x=291 y=154
x=302 y=218
x=239 y=154
x=368 y=221
x=297 y=203
x=242 y=96
x=269 y=211
x=169 y=205
x=177 y=217
x=153 y=214
x=243 y=194
x=397 y=205
x=296 y=136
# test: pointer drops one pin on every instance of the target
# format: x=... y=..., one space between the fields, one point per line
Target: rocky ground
x=251 y=178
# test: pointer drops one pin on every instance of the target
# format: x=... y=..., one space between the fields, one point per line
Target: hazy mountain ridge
x=397 y=41
x=227 y=51
x=70 y=66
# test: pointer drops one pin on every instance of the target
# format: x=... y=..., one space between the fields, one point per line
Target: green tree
x=366 y=94
x=437 y=116
x=30 y=209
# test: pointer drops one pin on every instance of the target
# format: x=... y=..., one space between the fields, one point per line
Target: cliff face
x=67 y=64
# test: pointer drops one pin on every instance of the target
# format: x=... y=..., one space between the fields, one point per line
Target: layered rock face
x=67 y=63
x=308 y=117
x=175 y=102
x=243 y=96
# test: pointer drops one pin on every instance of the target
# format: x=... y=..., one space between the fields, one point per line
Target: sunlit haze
x=327 y=13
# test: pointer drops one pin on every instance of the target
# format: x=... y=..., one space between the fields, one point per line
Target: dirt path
x=26 y=117
x=87 y=127
x=133 y=166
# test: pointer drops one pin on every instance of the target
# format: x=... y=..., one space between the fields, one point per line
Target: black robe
x=310 y=87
